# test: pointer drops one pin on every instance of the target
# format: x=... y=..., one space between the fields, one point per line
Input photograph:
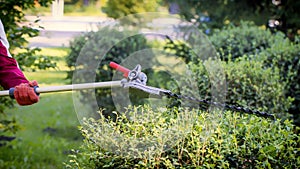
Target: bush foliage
x=247 y=39
x=91 y=54
x=275 y=50
x=260 y=70
x=285 y=55
x=215 y=140
x=248 y=84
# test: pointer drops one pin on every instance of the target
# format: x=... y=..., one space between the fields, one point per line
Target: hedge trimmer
x=136 y=79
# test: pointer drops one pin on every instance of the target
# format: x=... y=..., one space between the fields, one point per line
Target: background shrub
x=98 y=49
x=225 y=140
x=246 y=39
x=118 y=9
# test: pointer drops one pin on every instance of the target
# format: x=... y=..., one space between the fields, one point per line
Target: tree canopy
x=120 y=8
x=278 y=14
x=13 y=17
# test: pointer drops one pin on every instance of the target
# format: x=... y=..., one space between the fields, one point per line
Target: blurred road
x=58 y=31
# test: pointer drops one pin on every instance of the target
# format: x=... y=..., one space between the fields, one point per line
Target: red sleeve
x=10 y=74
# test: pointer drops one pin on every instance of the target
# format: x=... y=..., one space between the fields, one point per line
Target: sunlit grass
x=49 y=131
x=55 y=76
x=58 y=54
x=48 y=78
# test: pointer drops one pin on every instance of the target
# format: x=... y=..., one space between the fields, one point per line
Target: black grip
x=34 y=88
x=12 y=90
x=11 y=93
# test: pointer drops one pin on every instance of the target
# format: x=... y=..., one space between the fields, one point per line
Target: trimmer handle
x=134 y=75
x=120 y=68
x=11 y=91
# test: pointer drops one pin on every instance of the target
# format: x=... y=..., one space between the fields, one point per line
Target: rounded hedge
x=216 y=140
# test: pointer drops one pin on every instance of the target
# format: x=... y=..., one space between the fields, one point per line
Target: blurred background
x=46 y=38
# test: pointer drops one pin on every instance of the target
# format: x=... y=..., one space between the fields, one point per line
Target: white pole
x=72 y=87
x=57 y=8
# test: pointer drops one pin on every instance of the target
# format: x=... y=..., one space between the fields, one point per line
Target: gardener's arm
x=12 y=76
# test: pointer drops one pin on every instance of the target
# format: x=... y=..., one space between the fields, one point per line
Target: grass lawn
x=48 y=128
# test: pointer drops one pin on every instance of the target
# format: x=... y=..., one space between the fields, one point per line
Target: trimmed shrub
x=212 y=139
x=273 y=54
x=252 y=85
x=274 y=49
x=215 y=140
x=249 y=84
x=285 y=55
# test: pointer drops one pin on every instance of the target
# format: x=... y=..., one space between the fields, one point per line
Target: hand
x=25 y=95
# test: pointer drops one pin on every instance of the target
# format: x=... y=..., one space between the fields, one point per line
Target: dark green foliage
x=8 y=125
x=215 y=140
x=214 y=14
x=209 y=15
x=180 y=49
x=247 y=39
x=13 y=18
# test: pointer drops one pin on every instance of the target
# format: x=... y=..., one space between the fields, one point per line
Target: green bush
x=275 y=51
x=95 y=51
x=248 y=84
x=253 y=85
x=248 y=81
x=215 y=140
x=247 y=39
x=273 y=68
x=212 y=139
x=285 y=55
